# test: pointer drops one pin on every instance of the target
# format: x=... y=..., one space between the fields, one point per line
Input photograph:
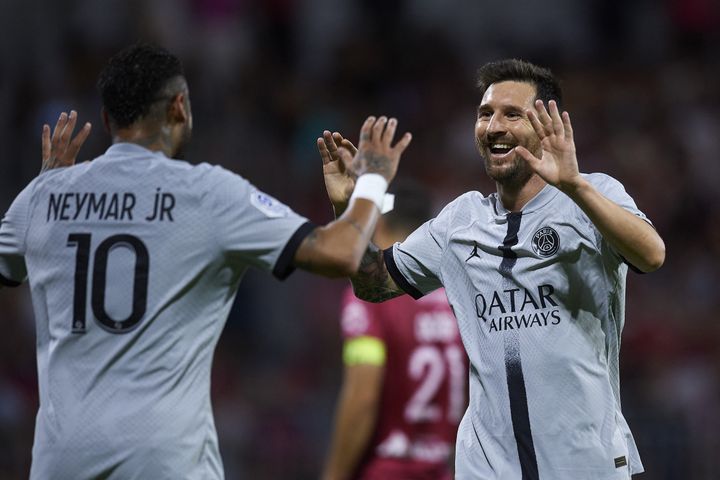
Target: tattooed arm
x=336 y=249
x=373 y=282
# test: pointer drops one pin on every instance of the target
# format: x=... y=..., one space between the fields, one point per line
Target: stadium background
x=641 y=80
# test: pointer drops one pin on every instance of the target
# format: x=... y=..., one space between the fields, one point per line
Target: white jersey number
x=431 y=365
x=82 y=265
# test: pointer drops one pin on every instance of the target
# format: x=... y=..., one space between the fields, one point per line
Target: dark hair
x=133 y=80
x=413 y=206
x=546 y=85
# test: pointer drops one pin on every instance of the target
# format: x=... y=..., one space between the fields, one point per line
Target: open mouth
x=500 y=148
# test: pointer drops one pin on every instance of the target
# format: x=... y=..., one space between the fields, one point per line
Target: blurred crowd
x=266 y=77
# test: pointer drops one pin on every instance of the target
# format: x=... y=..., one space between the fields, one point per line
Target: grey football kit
x=539 y=296
x=133 y=261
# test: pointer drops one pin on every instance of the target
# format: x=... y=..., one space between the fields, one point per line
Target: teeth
x=501 y=145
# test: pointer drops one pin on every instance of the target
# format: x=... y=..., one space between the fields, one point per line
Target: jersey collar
x=542 y=198
x=127 y=149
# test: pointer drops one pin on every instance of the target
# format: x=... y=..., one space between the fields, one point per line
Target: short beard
x=517 y=175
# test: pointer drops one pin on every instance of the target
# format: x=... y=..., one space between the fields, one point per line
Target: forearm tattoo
x=373 y=282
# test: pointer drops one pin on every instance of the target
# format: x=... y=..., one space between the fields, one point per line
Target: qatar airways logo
x=518 y=308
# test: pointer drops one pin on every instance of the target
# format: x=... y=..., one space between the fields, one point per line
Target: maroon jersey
x=424 y=386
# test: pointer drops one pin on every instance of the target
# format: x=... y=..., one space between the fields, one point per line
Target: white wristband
x=371 y=186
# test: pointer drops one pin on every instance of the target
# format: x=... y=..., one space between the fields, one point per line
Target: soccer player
x=405 y=378
x=535 y=273
x=134 y=260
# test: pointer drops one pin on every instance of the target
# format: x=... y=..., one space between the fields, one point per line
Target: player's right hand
x=339 y=180
x=60 y=150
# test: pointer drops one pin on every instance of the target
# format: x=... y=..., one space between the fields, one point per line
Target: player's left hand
x=558 y=165
x=60 y=150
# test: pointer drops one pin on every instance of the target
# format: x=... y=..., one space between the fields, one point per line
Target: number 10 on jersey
x=82 y=243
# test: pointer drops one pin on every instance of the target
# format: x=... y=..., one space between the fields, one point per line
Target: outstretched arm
x=371 y=282
x=336 y=249
x=632 y=237
x=59 y=150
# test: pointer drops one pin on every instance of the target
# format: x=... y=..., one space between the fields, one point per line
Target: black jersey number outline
x=99 y=282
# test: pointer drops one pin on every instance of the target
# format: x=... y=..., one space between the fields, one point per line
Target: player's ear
x=179 y=109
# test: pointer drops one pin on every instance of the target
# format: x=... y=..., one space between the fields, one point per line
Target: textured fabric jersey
x=540 y=299
x=133 y=261
x=424 y=384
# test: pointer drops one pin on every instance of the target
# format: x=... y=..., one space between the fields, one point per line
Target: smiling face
x=501 y=125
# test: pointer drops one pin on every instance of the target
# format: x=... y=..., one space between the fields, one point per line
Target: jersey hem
x=283 y=266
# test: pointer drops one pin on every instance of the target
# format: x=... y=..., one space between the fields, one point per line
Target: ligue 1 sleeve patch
x=268 y=205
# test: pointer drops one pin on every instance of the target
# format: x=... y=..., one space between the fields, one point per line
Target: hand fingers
x=366 y=130
x=331 y=145
x=346 y=160
x=324 y=153
x=69 y=127
x=557 y=123
x=379 y=127
x=527 y=156
x=389 y=133
x=347 y=144
x=403 y=143
x=344 y=142
x=536 y=125
x=59 y=126
x=568 y=126
x=46 y=149
x=544 y=118
x=77 y=142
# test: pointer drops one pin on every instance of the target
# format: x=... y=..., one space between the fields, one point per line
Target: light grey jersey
x=539 y=297
x=133 y=261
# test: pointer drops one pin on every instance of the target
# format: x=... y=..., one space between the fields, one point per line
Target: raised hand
x=375 y=153
x=339 y=180
x=343 y=162
x=558 y=165
x=60 y=150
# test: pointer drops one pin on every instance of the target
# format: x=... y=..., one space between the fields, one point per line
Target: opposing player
x=405 y=378
x=535 y=274
x=134 y=260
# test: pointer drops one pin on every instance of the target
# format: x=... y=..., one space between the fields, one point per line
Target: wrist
x=370 y=186
x=574 y=188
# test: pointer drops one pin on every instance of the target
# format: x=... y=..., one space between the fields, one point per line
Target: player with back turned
x=134 y=260
x=535 y=274
x=405 y=379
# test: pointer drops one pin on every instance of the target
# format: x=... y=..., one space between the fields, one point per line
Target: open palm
x=337 y=153
x=558 y=164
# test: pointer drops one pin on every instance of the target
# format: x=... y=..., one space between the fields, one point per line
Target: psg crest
x=545 y=242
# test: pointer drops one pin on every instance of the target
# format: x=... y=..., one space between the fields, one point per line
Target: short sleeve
x=252 y=227
x=13 y=229
x=613 y=190
x=415 y=263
